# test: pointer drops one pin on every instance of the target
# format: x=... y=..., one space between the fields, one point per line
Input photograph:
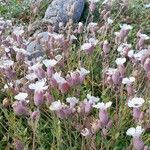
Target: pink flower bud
x=109 y=80
x=20 y=56
x=106 y=47
x=147 y=65
x=130 y=90
x=103 y=115
x=53 y=83
x=140 y=44
x=138 y=144
x=35 y=115
x=92 y=7
x=122 y=70
x=50 y=72
x=136 y=113
x=38 y=98
x=20 y=109
x=148 y=75
x=18 y=145
x=87 y=107
x=49 y=98
x=10 y=74
x=63 y=87
x=141 y=116
x=109 y=124
x=40 y=73
x=116 y=77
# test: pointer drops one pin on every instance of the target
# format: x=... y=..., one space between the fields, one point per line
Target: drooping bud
x=38 y=98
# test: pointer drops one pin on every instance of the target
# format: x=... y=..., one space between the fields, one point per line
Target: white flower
x=21 y=96
x=83 y=72
x=126 y=27
x=49 y=62
x=110 y=21
x=72 y=100
x=38 y=86
x=18 y=31
x=92 y=25
x=110 y=71
x=147 y=5
x=21 y=50
x=105 y=2
x=72 y=37
x=93 y=41
x=128 y=81
x=7 y=50
x=56 y=36
x=136 y=102
x=56 y=105
x=92 y=99
x=140 y=54
x=95 y=1
x=35 y=66
x=144 y=36
x=31 y=76
x=117 y=34
x=80 y=24
x=85 y=132
x=123 y=47
x=6 y=63
x=86 y=46
x=135 y=132
x=58 y=78
x=131 y=53
x=120 y=61
x=103 y=105
x=58 y=57
x=6 y=86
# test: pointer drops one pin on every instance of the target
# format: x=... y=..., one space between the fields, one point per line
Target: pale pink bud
x=50 y=72
x=141 y=116
x=20 y=56
x=10 y=74
x=130 y=90
x=148 y=75
x=92 y=7
x=109 y=124
x=38 y=98
x=109 y=80
x=138 y=144
x=140 y=44
x=35 y=115
x=18 y=145
x=53 y=83
x=106 y=47
x=116 y=77
x=40 y=73
x=103 y=115
x=147 y=65
x=88 y=107
x=122 y=70
x=20 y=108
x=64 y=87
x=49 y=98
x=136 y=113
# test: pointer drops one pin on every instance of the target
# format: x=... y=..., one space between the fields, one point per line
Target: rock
x=35 y=48
x=58 y=11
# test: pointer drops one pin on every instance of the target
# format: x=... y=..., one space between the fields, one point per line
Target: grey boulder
x=58 y=11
